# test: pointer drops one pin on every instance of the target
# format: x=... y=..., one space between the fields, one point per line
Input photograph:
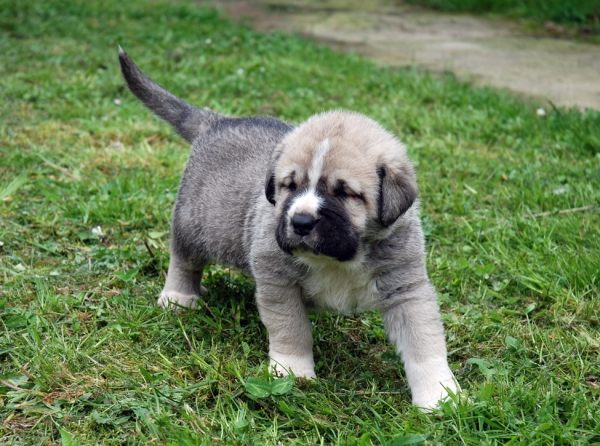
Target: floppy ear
x=397 y=192
x=270 y=179
x=270 y=186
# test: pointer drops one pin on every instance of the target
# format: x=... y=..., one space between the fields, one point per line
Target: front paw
x=430 y=382
x=429 y=396
x=299 y=366
x=175 y=300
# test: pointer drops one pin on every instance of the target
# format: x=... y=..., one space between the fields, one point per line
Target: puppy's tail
x=189 y=121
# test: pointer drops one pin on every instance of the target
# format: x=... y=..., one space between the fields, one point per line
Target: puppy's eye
x=291 y=187
x=341 y=193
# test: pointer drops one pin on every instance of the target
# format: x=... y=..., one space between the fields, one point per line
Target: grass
x=561 y=11
x=582 y=17
x=87 y=181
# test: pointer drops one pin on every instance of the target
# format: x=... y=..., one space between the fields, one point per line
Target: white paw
x=429 y=397
x=430 y=382
x=299 y=366
x=175 y=299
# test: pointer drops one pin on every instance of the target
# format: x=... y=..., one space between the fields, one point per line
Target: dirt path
x=484 y=51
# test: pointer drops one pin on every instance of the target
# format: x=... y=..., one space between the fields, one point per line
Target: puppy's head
x=334 y=178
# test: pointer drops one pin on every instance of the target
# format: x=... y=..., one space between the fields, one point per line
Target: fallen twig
x=94 y=361
x=154 y=259
x=64 y=171
x=209 y=310
x=368 y=392
x=149 y=250
x=190 y=345
x=31 y=392
x=562 y=211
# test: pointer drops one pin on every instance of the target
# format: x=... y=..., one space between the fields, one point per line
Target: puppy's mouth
x=305 y=247
x=321 y=242
x=296 y=244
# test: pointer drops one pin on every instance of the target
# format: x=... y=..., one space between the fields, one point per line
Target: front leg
x=183 y=286
x=290 y=333
x=414 y=325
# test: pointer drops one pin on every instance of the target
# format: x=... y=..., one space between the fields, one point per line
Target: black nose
x=303 y=224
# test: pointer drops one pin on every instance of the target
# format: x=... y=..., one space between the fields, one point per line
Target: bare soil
x=480 y=50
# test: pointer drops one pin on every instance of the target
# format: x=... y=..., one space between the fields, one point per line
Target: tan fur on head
x=358 y=149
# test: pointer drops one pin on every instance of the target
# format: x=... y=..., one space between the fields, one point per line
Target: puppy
x=323 y=215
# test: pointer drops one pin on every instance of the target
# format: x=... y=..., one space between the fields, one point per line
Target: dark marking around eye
x=291 y=186
x=341 y=192
x=289 y=183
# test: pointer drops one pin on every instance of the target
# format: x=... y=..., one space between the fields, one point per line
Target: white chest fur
x=342 y=287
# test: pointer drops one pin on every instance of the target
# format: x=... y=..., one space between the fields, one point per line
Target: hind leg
x=183 y=286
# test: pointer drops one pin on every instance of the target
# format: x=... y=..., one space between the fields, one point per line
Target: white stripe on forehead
x=314 y=173
x=309 y=202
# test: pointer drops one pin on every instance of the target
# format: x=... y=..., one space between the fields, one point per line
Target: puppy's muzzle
x=303 y=224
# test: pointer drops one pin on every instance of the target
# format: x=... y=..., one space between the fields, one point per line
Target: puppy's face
x=335 y=178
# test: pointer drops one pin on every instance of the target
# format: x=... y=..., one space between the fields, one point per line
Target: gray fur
x=244 y=178
x=189 y=121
